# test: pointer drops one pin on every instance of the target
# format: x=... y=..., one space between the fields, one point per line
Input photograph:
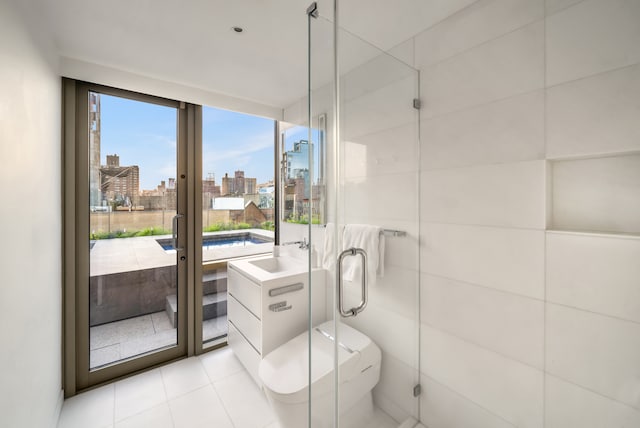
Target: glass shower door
x=372 y=170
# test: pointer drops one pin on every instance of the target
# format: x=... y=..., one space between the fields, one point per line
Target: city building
x=119 y=184
x=94 y=150
x=238 y=185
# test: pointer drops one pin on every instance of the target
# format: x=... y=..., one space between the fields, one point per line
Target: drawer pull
x=286 y=289
x=280 y=306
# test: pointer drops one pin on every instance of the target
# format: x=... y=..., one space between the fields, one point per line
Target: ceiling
x=191 y=42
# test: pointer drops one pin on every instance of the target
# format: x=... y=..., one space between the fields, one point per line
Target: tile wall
x=521 y=204
x=529 y=204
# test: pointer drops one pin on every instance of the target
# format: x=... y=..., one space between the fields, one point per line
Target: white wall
x=523 y=326
x=30 y=291
x=528 y=191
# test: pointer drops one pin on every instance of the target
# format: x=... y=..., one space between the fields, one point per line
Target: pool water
x=209 y=242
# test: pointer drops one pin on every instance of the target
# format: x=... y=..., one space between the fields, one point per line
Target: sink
x=279 y=264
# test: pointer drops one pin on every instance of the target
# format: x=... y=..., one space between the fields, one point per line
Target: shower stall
x=494 y=143
x=362 y=110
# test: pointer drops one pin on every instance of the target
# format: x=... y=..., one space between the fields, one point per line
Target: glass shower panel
x=372 y=171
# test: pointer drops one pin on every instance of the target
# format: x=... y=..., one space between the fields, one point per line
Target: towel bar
x=389 y=232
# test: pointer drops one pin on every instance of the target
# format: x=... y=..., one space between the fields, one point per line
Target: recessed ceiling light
x=237 y=29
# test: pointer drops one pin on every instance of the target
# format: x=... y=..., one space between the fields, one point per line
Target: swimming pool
x=222 y=241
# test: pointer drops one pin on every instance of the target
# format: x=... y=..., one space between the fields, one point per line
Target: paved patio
x=119 y=340
x=124 y=258
x=109 y=256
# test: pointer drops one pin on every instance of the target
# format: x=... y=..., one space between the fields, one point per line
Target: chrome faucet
x=303 y=245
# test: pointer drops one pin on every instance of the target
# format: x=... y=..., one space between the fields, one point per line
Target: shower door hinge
x=417 y=103
x=312 y=10
x=417 y=390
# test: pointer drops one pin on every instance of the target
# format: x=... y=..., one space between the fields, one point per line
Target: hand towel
x=371 y=240
x=330 y=248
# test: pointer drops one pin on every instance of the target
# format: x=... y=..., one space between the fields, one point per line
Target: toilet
x=285 y=377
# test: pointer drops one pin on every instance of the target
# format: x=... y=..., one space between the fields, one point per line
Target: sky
x=144 y=134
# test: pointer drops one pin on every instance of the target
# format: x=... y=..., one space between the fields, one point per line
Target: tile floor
x=212 y=390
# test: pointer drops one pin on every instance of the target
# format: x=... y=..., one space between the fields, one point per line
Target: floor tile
x=91 y=409
x=139 y=393
x=244 y=401
x=220 y=364
x=156 y=417
x=184 y=376
x=199 y=408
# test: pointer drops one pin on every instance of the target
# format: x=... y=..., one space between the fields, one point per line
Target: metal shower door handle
x=363 y=302
x=174 y=232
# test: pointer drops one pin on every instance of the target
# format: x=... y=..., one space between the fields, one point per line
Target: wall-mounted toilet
x=285 y=377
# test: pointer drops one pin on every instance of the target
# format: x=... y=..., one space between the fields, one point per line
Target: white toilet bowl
x=285 y=377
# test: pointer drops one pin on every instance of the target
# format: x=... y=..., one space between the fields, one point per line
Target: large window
x=302 y=172
x=238 y=204
x=159 y=195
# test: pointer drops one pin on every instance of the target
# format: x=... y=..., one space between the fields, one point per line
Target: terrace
x=132 y=293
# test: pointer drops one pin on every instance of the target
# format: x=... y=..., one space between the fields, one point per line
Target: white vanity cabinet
x=267 y=305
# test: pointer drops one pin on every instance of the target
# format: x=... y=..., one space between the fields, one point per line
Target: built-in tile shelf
x=595 y=194
x=596 y=233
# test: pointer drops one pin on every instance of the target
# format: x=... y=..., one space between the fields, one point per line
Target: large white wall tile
x=504 y=131
x=507 y=388
x=511 y=195
x=387 y=107
x=443 y=408
x=507 y=66
x=599 y=194
x=394 y=391
x=595 y=272
x=595 y=115
x=388 y=197
x=384 y=327
x=568 y=405
x=555 y=6
x=506 y=259
x=386 y=24
x=502 y=322
x=404 y=52
x=380 y=71
x=484 y=20
x=397 y=291
x=391 y=151
x=592 y=37
x=594 y=351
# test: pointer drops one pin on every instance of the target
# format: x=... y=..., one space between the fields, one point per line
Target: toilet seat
x=285 y=371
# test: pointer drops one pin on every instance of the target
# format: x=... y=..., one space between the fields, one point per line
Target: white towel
x=371 y=240
x=330 y=249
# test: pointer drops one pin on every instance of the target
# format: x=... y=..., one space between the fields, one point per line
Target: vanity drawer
x=244 y=351
x=245 y=322
x=245 y=291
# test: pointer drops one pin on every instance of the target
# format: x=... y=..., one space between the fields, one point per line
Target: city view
x=134 y=220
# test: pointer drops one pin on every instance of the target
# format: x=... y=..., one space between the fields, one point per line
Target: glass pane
x=133 y=280
x=238 y=200
x=303 y=186
x=378 y=154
